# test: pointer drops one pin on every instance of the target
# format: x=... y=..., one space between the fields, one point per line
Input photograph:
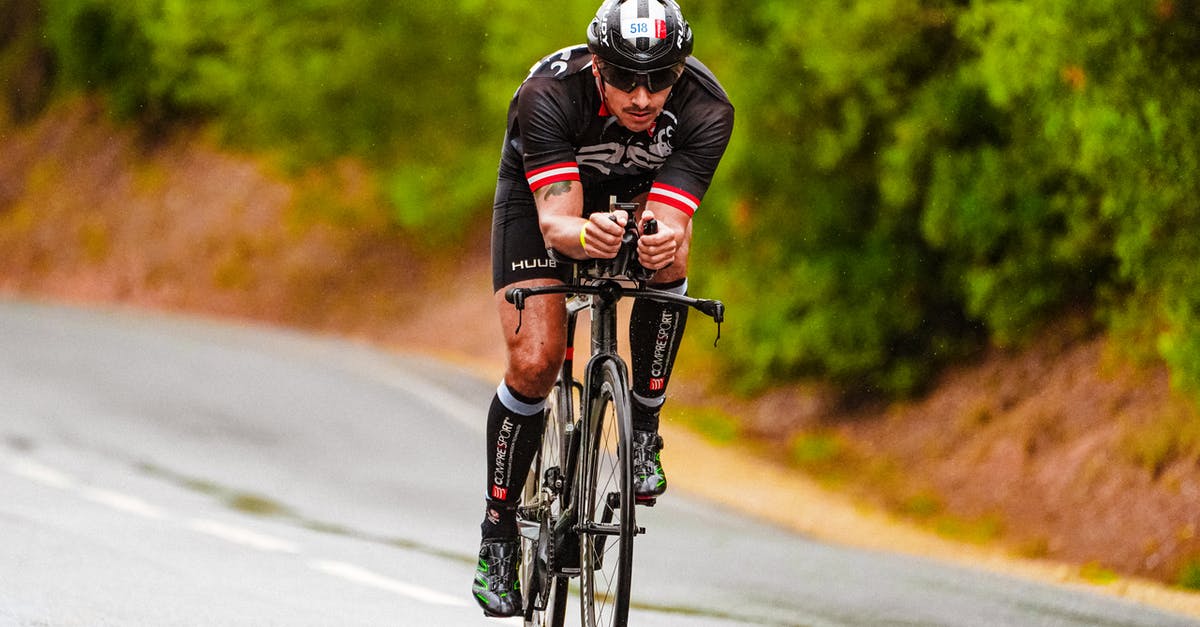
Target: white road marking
x=123 y=502
x=42 y=474
x=242 y=536
x=358 y=575
x=230 y=533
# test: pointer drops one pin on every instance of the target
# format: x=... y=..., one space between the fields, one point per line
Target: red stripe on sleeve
x=541 y=177
x=674 y=197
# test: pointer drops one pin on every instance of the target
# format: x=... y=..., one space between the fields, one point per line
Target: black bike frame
x=606 y=282
x=605 y=292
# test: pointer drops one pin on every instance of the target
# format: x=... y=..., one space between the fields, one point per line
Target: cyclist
x=633 y=115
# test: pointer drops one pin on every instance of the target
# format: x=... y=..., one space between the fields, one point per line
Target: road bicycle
x=577 y=517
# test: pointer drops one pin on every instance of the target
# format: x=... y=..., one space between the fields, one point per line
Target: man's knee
x=533 y=372
x=535 y=353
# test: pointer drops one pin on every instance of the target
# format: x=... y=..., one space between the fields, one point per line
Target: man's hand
x=656 y=251
x=602 y=234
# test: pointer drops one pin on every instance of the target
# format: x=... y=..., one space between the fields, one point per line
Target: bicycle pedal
x=639 y=531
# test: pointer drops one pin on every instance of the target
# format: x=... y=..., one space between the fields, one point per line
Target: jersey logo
x=642 y=153
x=557 y=62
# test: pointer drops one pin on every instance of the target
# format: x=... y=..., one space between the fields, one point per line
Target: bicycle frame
x=602 y=300
x=585 y=522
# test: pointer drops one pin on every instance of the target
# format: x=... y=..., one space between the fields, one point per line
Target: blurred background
x=957 y=238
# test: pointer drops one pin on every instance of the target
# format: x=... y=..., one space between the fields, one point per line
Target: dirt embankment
x=94 y=213
x=1062 y=451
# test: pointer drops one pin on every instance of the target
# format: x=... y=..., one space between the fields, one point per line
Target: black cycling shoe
x=649 y=479
x=496 y=587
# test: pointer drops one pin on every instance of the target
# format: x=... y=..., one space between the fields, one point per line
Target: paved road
x=164 y=471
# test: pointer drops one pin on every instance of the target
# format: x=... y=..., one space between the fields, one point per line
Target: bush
x=907 y=182
x=926 y=177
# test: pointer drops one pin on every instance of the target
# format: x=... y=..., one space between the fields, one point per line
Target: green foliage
x=842 y=282
x=820 y=449
x=907 y=182
x=311 y=81
x=1097 y=574
x=1189 y=575
x=928 y=176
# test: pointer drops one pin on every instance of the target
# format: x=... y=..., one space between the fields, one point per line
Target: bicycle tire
x=540 y=587
x=607 y=516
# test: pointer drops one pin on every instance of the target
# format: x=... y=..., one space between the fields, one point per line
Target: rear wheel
x=606 y=541
x=545 y=595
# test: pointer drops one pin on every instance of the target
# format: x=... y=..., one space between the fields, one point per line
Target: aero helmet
x=640 y=35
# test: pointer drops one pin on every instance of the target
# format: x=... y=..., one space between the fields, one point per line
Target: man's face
x=635 y=110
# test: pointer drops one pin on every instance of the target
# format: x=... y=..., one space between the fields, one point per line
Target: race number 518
x=646 y=28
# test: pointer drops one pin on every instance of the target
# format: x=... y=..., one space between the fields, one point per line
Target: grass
x=981 y=530
x=1189 y=575
x=816 y=449
x=1096 y=574
x=922 y=506
x=928 y=510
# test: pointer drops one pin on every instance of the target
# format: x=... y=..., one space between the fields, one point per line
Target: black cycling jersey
x=560 y=130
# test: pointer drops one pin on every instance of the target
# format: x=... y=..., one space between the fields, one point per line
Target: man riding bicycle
x=631 y=115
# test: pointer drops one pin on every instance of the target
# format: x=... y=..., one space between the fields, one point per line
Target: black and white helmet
x=640 y=35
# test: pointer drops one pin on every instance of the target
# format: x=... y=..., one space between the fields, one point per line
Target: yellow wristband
x=583 y=237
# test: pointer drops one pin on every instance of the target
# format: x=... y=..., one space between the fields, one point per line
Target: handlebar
x=612 y=290
x=714 y=309
x=601 y=277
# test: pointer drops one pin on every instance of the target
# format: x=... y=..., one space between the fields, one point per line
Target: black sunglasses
x=627 y=80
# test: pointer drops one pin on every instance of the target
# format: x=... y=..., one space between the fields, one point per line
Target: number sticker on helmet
x=650 y=24
x=646 y=27
x=640 y=35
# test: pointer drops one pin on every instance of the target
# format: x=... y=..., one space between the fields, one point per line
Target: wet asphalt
x=162 y=470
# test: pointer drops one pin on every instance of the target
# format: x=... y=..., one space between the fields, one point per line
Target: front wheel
x=607 y=518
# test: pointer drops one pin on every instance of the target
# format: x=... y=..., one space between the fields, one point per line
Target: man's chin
x=637 y=123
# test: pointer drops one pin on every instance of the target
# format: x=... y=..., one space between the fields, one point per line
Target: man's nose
x=640 y=96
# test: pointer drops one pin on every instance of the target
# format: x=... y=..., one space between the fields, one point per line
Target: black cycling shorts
x=518 y=250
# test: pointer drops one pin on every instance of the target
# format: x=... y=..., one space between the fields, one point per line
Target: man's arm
x=560 y=211
x=669 y=246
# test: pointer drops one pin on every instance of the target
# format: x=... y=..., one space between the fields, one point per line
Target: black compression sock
x=655 y=332
x=513 y=438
